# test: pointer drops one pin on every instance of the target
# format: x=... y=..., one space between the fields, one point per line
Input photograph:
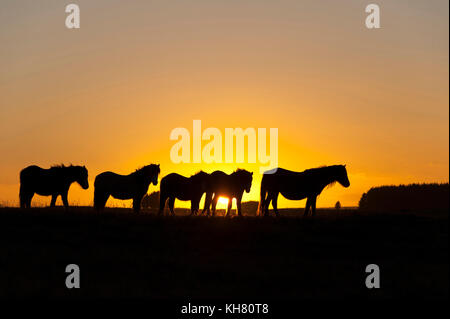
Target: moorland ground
x=127 y=255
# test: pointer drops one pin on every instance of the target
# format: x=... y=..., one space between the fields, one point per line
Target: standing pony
x=183 y=188
x=299 y=185
x=230 y=186
x=54 y=181
x=133 y=186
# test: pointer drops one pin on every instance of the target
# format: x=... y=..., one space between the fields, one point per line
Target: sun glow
x=223 y=200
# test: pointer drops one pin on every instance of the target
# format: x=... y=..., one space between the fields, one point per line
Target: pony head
x=81 y=176
x=342 y=177
x=155 y=175
x=153 y=172
x=149 y=173
x=245 y=178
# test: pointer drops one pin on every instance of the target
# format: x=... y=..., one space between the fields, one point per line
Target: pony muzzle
x=346 y=183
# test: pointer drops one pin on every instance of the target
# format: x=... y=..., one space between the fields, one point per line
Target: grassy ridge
x=122 y=254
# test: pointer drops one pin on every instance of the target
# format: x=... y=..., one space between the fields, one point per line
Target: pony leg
x=214 y=204
x=137 y=203
x=266 y=205
x=230 y=203
x=22 y=202
x=162 y=204
x=171 y=204
x=23 y=196
x=64 y=200
x=308 y=204
x=313 y=206
x=100 y=200
x=274 y=203
x=26 y=199
x=262 y=204
x=238 y=206
x=103 y=201
x=29 y=198
x=53 y=201
x=194 y=206
x=207 y=205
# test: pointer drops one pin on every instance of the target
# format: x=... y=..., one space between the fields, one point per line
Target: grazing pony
x=133 y=186
x=230 y=186
x=183 y=188
x=54 y=181
x=299 y=185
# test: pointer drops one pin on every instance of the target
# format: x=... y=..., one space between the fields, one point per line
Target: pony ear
x=345 y=165
x=251 y=173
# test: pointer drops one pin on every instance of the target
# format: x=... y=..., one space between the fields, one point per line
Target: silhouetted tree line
x=406 y=197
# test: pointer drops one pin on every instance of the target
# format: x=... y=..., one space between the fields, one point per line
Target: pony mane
x=143 y=168
x=241 y=172
x=199 y=172
x=309 y=170
x=60 y=166
x=139 y=169
x=331 y=184
x=323 y=168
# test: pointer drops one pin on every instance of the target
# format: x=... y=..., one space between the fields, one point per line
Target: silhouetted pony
x=54 y=181
x=133 y=186
x=183 y=188
x=299 y=185
x=230 y=186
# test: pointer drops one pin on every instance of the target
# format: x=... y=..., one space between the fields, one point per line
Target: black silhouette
x=150 y=201
x=54 y=181
x=299 y=185
x=183 y=188
x=406 y=197
x=133 y=186
x=250 y=208
x=230 y=186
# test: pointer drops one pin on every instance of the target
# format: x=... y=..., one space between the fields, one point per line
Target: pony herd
x=308 y=184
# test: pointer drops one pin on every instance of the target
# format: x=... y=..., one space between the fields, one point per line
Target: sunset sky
x=108 y=95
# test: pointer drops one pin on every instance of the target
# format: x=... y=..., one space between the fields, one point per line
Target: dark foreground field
x=121 y=254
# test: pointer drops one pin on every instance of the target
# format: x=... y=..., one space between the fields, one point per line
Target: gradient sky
x=108 y=94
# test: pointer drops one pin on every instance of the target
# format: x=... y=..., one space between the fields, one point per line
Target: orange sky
x=109 y=94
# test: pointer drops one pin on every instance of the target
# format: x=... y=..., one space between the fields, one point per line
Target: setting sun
x=223 y=200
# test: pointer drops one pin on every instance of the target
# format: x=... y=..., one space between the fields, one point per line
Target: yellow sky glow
x=108 y=95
